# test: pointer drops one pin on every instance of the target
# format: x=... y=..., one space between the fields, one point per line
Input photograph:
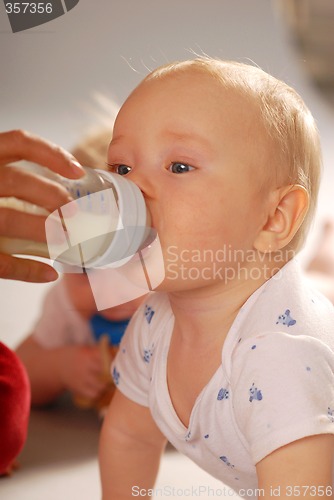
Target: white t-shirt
x=60 y=323
x=275 y=383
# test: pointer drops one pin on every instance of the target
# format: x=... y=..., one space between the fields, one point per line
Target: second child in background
x=66 y=350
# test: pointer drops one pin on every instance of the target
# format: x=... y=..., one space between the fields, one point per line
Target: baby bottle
x=105 y=225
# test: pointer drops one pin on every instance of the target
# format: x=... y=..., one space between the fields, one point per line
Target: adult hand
x=20 y=145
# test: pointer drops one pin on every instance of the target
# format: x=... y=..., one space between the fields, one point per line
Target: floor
x=59 y=462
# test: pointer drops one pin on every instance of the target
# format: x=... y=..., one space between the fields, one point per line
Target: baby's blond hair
x=290 y=127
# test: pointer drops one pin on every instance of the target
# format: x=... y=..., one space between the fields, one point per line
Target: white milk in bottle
x=105 y=224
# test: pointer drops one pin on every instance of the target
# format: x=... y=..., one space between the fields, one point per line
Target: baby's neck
x=206 y=314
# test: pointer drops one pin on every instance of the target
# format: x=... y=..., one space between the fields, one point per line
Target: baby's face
x=192 y=148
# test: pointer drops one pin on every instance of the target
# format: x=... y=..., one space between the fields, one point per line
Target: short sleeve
x=282 y=390
x=60 y=323
x=131 y=369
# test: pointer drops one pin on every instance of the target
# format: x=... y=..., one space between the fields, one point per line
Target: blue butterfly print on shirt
x=227 y=462
x=286 y=319
x=255 y=394
x=148 y=353
x=222 y=394
x=149 y=313
x=116 y=376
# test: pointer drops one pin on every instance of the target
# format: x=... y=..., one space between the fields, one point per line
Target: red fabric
x=14 y=407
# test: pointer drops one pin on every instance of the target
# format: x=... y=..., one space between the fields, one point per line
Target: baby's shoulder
x=292 y=308
x=287 y=322
x=153 y=313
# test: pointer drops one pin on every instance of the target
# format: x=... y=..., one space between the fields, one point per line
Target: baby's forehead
x=201 y=90
x=205 y=85
x=184 y=98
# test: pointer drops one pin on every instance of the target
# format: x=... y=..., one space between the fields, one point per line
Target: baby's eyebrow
x=199 y=147
x=189 y=137
x=192 y=140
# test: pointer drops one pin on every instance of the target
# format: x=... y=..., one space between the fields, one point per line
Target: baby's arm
x=130 y=449
x=302 y=468
x=51 y=371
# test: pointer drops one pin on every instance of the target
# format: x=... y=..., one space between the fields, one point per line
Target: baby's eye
x=121 y=169
x=180 y=168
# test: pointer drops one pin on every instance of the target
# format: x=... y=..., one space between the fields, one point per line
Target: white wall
x=48 y=76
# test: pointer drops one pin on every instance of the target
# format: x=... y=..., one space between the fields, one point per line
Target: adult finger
x=15 y=224
x=18 y=145
x=26 y=185
x=32 y=271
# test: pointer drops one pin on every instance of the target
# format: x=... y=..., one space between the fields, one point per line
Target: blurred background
x=55 y=81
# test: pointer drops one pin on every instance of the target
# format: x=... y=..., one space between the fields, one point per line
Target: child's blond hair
x=288 y=123
x=92 y=150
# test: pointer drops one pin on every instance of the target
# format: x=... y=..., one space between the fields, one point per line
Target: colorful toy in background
x=108 y=335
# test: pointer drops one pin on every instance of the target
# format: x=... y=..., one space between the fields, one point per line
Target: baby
x=231 y=359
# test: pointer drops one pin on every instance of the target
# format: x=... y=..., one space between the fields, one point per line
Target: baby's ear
x=287 y=210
